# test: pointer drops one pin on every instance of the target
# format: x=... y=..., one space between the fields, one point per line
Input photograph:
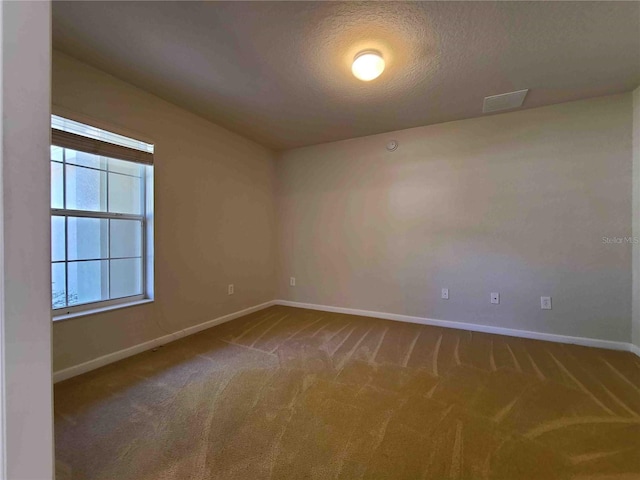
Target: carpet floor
x=287 y=393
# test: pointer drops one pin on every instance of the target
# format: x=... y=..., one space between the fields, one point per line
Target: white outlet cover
x=495 y=298
x=445 y=293
x=545 y=303
x=230 y=289
x=292 y=281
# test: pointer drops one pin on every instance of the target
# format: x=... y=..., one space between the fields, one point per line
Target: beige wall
x=636 y=217
x=25 y=245
x=214 y=216
x=516 y=203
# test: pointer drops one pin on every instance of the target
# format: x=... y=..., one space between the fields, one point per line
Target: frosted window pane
x=57 y=190
x=88 y=282
x=88 y=238
x=126 y=277
x=128 y=168
x=57 y=239
x=86 y=189
x=126 y=238
x=56 y=153
x=124 y=194
x=58 y=293
x=85 y=159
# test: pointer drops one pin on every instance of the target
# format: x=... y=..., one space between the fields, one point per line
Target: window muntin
x=97 y=228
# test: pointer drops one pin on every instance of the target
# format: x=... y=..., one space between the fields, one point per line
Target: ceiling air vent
x=504 y=101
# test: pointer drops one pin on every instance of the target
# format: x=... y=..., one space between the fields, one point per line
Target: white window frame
x=145 y=219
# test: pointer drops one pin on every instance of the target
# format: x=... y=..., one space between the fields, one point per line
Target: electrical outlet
x=545 y=303
x=230 y=289
x=495 y=298
x=292 y=281
x=445 y=294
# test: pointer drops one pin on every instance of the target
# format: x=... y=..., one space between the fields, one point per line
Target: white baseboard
x=128 y=352
x=61 y=375
x=511 y=332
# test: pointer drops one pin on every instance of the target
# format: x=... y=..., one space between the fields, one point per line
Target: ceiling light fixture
x=368 y=65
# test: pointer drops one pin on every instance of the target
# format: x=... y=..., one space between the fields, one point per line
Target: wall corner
x=635 y=315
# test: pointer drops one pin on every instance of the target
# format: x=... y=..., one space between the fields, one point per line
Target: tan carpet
x=288 y=393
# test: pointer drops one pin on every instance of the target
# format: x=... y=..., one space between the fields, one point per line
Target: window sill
x=94 y=311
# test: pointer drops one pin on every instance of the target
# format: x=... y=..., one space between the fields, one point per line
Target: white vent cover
x=504 y=101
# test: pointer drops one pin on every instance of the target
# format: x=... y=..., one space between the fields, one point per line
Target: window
x=100 y=205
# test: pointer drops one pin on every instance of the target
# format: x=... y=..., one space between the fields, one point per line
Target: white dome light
x=368 y=65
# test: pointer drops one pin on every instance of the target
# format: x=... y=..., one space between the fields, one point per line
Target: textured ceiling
x=279 y=72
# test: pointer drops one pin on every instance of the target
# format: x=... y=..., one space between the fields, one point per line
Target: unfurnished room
x=320 y=240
